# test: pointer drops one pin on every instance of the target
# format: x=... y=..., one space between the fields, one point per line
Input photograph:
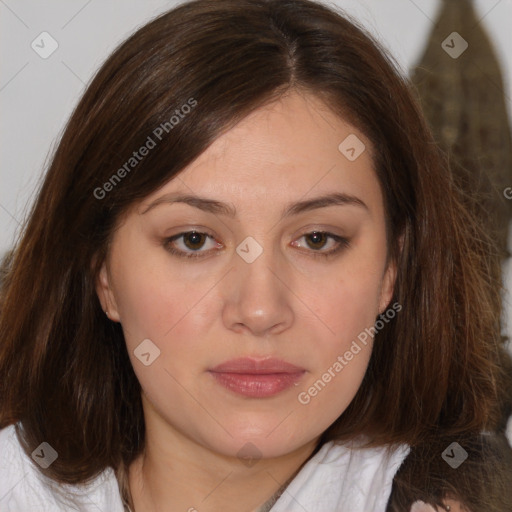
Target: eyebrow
x=220 y=208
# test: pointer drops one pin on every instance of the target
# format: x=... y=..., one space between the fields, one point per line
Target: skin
x=287 y=304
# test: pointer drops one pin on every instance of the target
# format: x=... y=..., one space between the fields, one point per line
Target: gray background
x=37 y=95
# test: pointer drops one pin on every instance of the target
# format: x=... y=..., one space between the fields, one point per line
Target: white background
x=37 y=95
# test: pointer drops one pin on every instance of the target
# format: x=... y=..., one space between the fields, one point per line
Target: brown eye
x=317 y=240
x=192 y=242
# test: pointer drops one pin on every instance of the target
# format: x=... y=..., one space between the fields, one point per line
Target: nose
x=257 y=296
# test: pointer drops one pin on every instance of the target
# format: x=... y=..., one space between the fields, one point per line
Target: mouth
x=257 y=378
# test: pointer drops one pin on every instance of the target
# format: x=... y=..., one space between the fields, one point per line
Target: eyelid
x=178 y=252
x=342 y=243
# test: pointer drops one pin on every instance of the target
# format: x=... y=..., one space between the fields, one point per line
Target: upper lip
x=248 y=365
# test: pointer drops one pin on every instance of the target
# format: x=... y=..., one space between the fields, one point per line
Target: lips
x=247 y=365
x=257 y=378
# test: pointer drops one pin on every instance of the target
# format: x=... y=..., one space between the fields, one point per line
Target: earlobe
x=105 y=294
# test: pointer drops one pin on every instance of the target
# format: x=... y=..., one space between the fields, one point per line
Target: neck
x=176 y=473
x=270 y=503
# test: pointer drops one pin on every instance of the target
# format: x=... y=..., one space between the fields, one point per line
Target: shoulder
x=24 y=487
x=345 y=476
x=473 y=469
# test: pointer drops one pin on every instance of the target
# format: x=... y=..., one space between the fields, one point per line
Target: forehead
x=293 y=148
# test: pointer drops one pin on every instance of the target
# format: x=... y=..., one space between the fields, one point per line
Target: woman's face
x=255 y=282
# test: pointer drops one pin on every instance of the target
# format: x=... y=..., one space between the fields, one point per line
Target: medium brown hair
x=64 y=368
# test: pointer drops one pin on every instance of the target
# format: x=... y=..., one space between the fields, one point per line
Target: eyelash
x=343 y=243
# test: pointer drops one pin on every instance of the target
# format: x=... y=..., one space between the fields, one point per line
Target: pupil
x=317 y=237
x=195 y=237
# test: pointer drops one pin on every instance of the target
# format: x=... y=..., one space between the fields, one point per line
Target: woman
x=238 y=289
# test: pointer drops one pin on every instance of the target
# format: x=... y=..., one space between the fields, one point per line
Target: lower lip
x=257 y=385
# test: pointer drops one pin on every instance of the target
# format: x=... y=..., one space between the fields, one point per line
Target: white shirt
x=338 y=477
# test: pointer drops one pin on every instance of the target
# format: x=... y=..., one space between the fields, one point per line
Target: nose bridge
x=257 y=263
x=259 y=299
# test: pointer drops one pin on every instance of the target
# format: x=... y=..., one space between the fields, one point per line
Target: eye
x=193 y=240
x=319 y=241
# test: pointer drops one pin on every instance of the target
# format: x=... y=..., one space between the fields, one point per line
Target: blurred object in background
x=461 y=91
x=460 y=85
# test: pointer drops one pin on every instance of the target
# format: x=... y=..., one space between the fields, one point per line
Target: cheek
x=348 y=300
x=146 y=307
x=157 y=302
x=348 y=308
x=341 y=359
x=175 y=316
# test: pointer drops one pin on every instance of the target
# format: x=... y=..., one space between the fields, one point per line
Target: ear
x=387 y=287
x=389 y=279
x=106 y=294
